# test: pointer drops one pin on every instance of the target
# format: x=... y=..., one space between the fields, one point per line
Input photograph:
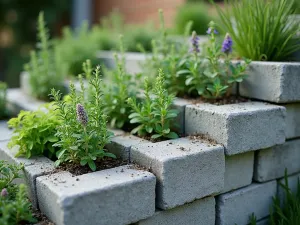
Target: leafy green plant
x=196 y=12
x=34 y=131
x=3 y=91
x=210 y=77
x=44 y=70
x=116 y=92
x=83 y=133
x=15 y=207
x=154 y=113
x=262 y=30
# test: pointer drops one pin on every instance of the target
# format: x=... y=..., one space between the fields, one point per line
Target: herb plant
x=34 y=132
x=15 y=207
x=3 y=91
x=154 y=113
x=262 y=30
x=82 y=134
x=211 y=77
x=44 y=70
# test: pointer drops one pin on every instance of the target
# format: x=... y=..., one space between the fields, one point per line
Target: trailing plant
x=154 y=113
x=3 y=91
x=214 y=75
x=44 y=70
x=34 y=132
x=82 y=133
x=285 y=210
x=262 y=30
x=15 y=207
x=116 y=92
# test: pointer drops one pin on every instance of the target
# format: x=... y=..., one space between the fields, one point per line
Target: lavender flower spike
x=195 y=43
x=81 y=114
x=209 y=31
x=227 y=44
x=4 y=193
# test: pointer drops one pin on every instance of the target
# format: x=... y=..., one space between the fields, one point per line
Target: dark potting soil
x=42 y=219
x=77 y=169
x=223 y=101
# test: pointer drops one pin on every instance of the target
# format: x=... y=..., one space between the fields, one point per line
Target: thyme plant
x=3 y=91
x=154 y=113
x=15 y=207
x=262 y=30
x=43 y=68
x=34 y=132
x=82 y=134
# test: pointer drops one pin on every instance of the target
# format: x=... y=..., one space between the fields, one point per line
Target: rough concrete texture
x=115 y=196
x=292 y=184
x=199 y=212
x=33 y=168
x=272 y=81
x=17 y=100
x=237 y=206
x=292 y=120
x=270 y=163
x=180 y=104
x=132 y=60
x=239 y=127
x=5 y=132
x=238 y=171
x=185 y=169
x=122 y=142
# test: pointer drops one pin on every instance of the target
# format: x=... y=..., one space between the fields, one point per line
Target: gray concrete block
x=292 y=120
x=178 y=125
x=5 y=132
x=115 y=196
x=239 y=127
x=238 y=171
x=17 y=100
x=185 y=169
x=33 y=168
x=272 y=81
x=271 y=163
x=237 y=206
x=292 y=184
x=199 y=212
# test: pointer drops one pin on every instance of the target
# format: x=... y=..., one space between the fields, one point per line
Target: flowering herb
x=82 y=133
x=227 y=44
x=154 y=113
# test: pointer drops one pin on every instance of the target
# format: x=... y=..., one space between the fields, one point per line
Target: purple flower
x=81 y=114
x=209 y=31
x=195 y=43
x=227 y=44
x=4 y=193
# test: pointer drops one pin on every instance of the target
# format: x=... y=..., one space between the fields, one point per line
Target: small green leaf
x=92 y=165
x=172 y=135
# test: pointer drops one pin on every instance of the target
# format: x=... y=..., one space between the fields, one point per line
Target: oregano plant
x=154 y=114
x=82 y=133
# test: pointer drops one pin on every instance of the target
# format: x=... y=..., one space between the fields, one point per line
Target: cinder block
x=271 y=163
x=292 y=120
x=18 y=100
x=33 y=168
x=179 y=104
x=5 y=132
x=237 y=206
x=272 y=81
x=238 y=171
x=185 y=169
x=115 y=196
x=293 y=185
x=239 y=127
x=199 y=212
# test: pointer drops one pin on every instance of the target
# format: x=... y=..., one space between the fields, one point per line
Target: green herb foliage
x=211 y=77
x=3 y=92
x=34 y=132
x=116 y=92
x=82 y=133
x=262 y=30
x=44 y=70
x=15 y=207
x=154 y=113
